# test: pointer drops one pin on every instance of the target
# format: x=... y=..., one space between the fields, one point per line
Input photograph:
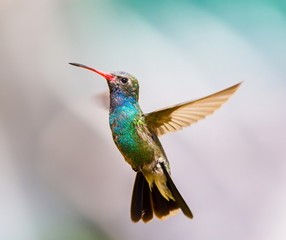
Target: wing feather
x=176 y=117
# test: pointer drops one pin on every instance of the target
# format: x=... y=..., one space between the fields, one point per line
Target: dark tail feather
x=161 y=206
x=137 y=198
x=144 y=202
x=141 y=200
x=179 y=199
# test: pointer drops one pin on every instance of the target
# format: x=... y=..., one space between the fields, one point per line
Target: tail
x=145 y=203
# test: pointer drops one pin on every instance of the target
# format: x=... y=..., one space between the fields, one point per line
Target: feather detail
x=175 y=118
x=148 y=199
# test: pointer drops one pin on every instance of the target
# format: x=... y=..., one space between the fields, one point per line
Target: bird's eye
x=124 y=80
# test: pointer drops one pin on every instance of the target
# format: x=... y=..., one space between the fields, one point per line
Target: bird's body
x=132 y=136
x=136 y=136
x=129 y=132
x=138 y=144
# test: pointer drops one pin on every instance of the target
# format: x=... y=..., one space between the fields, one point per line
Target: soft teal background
x=62 y=177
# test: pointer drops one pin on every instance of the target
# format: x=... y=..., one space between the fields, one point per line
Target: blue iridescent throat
x=118 y=98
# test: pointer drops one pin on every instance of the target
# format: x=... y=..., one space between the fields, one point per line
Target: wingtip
x=237 y=85
x=231 y=90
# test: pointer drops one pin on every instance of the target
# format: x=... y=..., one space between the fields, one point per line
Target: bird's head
x=118 y=82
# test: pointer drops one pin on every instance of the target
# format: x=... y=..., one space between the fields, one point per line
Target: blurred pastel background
x=61 y=177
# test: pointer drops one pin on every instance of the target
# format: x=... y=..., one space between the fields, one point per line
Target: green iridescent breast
x=131 y=135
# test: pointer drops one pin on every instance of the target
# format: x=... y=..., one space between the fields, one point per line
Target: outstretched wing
x=175 y=118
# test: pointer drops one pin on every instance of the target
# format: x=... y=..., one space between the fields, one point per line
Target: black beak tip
x=76 y=64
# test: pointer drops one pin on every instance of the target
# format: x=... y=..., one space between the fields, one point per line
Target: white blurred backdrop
x=61 y=176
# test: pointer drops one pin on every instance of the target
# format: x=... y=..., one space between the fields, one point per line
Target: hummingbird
x=136 y=136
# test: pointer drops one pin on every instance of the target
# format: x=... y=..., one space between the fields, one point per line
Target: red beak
x=105 y=75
